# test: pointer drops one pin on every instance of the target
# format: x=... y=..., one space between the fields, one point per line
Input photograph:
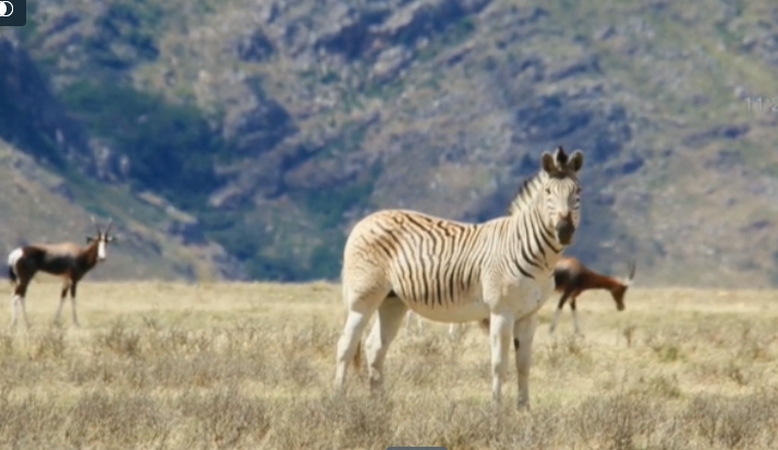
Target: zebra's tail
x=357 y=361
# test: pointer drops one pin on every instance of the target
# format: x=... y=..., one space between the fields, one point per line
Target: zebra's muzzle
x=565 y=230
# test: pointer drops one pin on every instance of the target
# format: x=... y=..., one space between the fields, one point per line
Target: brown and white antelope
x=572 y=277
x=67 y=260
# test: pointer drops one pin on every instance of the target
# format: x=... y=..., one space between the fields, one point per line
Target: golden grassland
x=222 y=365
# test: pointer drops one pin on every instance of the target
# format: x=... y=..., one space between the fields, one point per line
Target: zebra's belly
x=459 y=312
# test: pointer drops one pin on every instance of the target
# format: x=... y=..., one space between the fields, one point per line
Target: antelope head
x=103 y=238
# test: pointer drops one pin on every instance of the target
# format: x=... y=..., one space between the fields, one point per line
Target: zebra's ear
x=89 y=239
x=548 y=162
x=575 y=162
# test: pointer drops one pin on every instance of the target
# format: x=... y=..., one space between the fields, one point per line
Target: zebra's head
x=562 y=192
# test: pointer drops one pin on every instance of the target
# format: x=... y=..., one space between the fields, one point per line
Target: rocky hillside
x=258 y=132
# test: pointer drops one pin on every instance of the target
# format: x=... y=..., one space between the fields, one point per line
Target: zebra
x=450 y=271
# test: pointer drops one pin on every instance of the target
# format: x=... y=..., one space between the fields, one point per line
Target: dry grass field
x=159 y=365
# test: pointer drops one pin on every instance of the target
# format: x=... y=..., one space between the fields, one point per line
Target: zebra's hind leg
x=385 y=328
x=360 y=309
x=523 y=333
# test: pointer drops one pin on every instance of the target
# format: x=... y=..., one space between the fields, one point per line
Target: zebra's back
x=427 y=261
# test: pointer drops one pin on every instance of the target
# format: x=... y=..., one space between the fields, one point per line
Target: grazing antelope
x=67 y=260
x=450 y=271
x=571 y=278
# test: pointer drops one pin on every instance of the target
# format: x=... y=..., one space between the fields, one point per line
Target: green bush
x=125 y=25
x=171 y=147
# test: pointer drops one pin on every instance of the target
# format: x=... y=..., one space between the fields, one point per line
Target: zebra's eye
x=548 y=191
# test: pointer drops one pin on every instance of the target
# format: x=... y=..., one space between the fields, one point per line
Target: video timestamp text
x=762 y=104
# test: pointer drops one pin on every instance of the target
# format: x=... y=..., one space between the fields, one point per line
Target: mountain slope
x=277 y=125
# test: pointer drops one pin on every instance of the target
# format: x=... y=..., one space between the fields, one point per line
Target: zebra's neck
x=533 y=249
x=528 y=194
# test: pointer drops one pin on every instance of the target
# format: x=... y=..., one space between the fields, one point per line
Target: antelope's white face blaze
x=102 y=241
x=101 y=248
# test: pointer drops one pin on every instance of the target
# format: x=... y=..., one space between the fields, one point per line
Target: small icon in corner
x=13 y=13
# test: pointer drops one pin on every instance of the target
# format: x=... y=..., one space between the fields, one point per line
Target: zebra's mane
x=527 y=192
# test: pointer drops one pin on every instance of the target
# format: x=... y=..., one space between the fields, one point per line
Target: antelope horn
x=631 y=272
x=108 y=227
x=97 y=227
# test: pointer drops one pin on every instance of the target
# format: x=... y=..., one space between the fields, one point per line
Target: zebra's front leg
x=385 y=328
x=523 y=333
x=500 y=334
